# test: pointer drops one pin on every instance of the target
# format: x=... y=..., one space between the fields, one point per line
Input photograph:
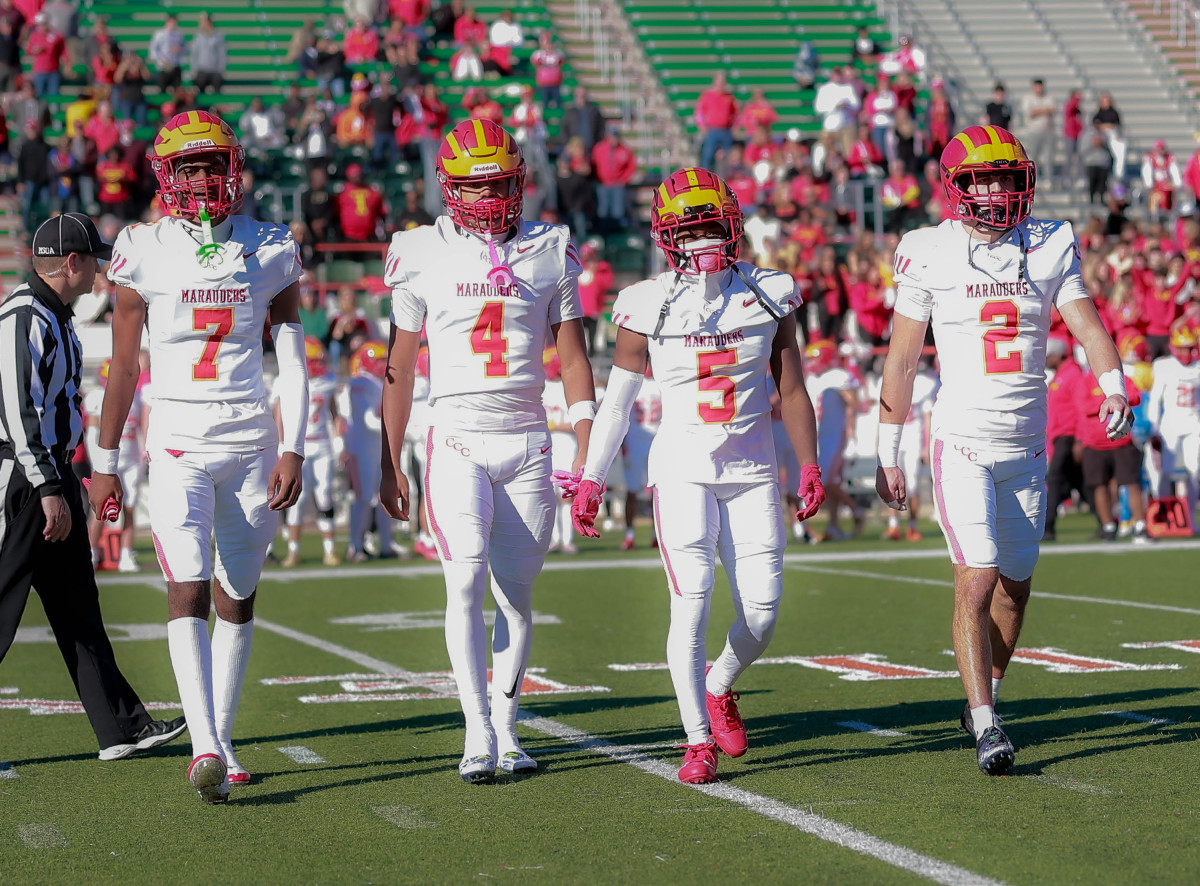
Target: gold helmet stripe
x=480 y=138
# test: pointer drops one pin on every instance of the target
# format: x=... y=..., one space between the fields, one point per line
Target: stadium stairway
x=1072 y=44
x=1153 y=19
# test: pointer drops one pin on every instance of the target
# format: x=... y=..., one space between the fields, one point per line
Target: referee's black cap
x=67 y=233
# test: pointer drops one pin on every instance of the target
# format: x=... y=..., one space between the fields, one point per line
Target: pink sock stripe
x=433 y=523
x=662 y=548
x=955 y=547
x=162 y=558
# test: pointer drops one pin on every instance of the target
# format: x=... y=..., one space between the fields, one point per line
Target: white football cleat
x=207 y=775
x=480 y=769
x=517 y=762
x=127 y=563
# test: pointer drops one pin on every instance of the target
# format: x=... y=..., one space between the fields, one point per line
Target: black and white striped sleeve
x=27 y=352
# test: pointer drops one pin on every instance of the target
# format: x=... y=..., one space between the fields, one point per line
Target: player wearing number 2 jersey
x=986 y=280
x=716 y=331
x=489 y=289
x=204 y=283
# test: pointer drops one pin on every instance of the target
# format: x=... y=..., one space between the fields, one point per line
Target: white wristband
x=889 y=444
x=584 y=410
x=104 y=461
x=1112 y=383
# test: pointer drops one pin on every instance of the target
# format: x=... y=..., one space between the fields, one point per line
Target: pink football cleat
x=725 y=722
x=627 y=544
x=699 y=763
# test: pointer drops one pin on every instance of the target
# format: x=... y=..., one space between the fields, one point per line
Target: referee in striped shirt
x=43 y=524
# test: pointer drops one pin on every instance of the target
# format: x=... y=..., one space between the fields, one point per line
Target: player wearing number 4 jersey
x=489 y=289
x=716 y=331
x=986 y=280
x=204 y=283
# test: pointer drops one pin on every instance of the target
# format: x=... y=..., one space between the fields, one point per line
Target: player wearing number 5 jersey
x=489 y=289
x=986 y=280
x=204 y=283
x=716 y=331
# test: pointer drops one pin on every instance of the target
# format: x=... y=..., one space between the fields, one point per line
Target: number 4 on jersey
x=487 y=338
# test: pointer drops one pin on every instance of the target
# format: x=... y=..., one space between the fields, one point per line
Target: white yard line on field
x=300 y=754
x=1140 y=718
x=860 y=726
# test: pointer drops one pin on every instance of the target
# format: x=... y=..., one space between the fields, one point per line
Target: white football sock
x=511 y=640
x=564 y=529
x=293 y=546
x=231 y=653
x=893 y=521
x=466 y=643
x=996 y=690
x=686 y=661
x=191 y=658
x=983 y=718
x=327 y=545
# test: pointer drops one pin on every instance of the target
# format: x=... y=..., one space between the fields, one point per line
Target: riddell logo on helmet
x=200 y=143
x=485 y=168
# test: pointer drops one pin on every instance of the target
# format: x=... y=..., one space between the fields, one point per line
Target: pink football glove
x=811 y=492
x=112 y=511
x=585 y=507
x=567 y=482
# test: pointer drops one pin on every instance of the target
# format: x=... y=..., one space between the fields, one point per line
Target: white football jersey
x=562 y=435
x=825 y=392
x=92 y=404
x=318 y=430
x=485 y=341
x=1174 y=403
x=646 y=415
x=205 y=327
x=359 y=404
x=711 y=358
x=420 y=416
x=989 y=306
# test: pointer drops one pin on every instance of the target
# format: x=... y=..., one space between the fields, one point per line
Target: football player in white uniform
x=913 y=446
x=1173 y=411
x=834 y=394
x=129 y=460
x=205 y=283
x=415 y=437
x=489 y=289
x=716 y=330
x=564 y=448
x=644 y=420
x=364 y=443
x=317 y=475
x=986 y=279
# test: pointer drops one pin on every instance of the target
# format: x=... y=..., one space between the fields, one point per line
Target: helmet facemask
x=705 y=254
x=220 y=194
x=994 y=210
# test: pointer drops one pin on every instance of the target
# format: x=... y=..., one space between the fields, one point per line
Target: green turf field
x=848 y=779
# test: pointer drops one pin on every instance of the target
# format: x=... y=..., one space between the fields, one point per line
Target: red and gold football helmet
x=187 y=136
x=314 y=357
x=477 y=151
x=104 y=369
x=820 y=355
x=1183 y=344
x=552 y=363
x=370 y=358
x=691 y=197
x=968 y=160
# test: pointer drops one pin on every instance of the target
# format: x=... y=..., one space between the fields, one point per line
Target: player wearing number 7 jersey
x=204 y=282
x=489 y=289
x=986 y=280
x=716 y=331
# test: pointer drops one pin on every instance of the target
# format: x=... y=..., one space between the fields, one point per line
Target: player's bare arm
x=578 y=383
x=128 y=320
x=1084 y=323
x=284 y=484
x=895 y=399
x=403 y=348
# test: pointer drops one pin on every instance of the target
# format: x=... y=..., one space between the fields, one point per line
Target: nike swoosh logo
x=1039 y=452
x=1034 y=248
x=248 y=254
x=748 y=302
x=545 y=450
x=526 y=249
x=510 y=693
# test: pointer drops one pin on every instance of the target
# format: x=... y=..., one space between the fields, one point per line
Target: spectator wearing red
x=481 y=106
x=102 y=129
x=46 y=51
x=504 y=38
x=104 y=66
x=761 y=149
x=830 y=292
x=414 y=14
x=614 y=165
x=879 y=109
x=351 y=126
x=901 y=198
x=939 y=118
x=547 y=61
x=1160 y=175
x=757 y=113
x=1072 y=130
x=807 y=192
x=1107 y=460
x=865 y=158
x=809 y=234
x=595 y=285
x=360 y=44
x=716 y=112
x=114 y=184
x=1161 y=308
x=1062 y=471
x=870 y=307
x=360 y=208
x=434 y=114
x=469 y=30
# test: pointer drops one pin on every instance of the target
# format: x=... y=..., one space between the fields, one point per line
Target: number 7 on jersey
x=205 y=369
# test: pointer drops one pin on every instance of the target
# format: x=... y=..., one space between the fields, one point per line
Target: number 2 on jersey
x=205 y=369
x=1003 y=318
x=706 y=362
x=487 y=337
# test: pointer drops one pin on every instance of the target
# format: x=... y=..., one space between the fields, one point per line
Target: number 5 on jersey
x=487 y=338
x=706 y=362
x=205 y=369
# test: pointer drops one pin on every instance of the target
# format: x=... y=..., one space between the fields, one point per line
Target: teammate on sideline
x=129 y=461
x=364 y=443
x=635 y=451
x=1174 y=415
x=317 y=475
x=489 y=289
x=716 y=331
x=204 y=282
x=986 y=279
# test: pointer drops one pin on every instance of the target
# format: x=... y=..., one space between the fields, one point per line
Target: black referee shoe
x=153 y=734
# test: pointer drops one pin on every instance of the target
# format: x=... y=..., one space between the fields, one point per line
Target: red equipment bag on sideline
x=1168 y=518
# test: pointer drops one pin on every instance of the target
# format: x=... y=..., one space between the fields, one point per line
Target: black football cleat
x=994 y=751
